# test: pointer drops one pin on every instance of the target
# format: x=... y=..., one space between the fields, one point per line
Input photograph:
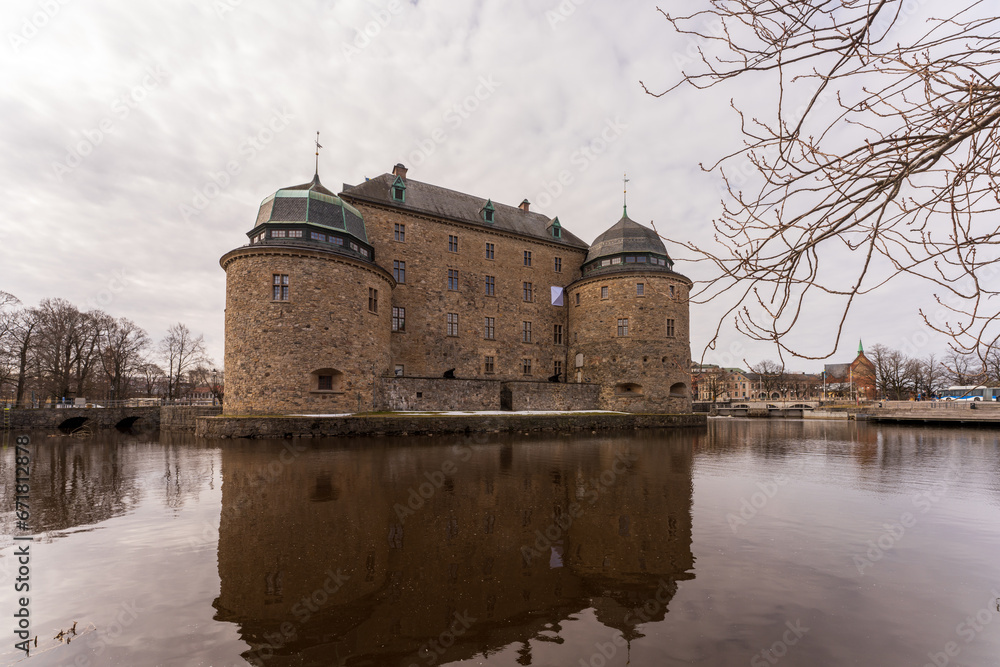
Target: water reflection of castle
x=288 y=528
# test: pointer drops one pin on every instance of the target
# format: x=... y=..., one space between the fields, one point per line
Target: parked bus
x=970 y=393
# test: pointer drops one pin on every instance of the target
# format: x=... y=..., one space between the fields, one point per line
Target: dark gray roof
x=312 y=202
x=626 y=235
x=837 y=372
x=445 y=203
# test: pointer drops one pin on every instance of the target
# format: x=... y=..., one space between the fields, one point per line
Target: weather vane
x=318 y=146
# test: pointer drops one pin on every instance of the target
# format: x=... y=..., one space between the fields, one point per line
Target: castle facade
x=398 y=294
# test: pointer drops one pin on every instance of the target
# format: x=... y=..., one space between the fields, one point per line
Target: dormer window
x=556 y=229
x=399 y=190
x=488 y=212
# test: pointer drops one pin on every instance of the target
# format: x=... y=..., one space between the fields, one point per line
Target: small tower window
x=399 y=190
x=280 y=292
x=556 y=229
x=640 y=289
x=488 y=211
x=623 y=326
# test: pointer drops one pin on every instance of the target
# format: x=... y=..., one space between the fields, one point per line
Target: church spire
x=861 y=348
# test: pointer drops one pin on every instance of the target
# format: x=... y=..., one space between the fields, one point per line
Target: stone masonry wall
x=424 y=349
x=274 y=348
x=407 y=393
x=637 y=371
x=181 y=418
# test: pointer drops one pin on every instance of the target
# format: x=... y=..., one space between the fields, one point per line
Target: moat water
x=744 y=543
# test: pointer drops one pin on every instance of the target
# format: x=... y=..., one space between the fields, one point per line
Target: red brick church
x=854 y=381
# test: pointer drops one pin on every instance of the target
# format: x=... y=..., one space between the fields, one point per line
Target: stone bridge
x=793 y=409
x=165 y=418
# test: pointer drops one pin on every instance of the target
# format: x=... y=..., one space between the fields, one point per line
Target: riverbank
x=380 y=424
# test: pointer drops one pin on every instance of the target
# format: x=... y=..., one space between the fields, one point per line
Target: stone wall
x=409 y=393
x=424 y=348
x=379 y=425
x=181 y=418
x=70 y=418
x=275 y=348
x=646 y=370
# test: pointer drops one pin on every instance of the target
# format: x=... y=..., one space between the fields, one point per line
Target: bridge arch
x=73 y=423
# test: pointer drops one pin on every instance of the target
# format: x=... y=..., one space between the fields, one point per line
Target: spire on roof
x=318 y=146
x=625 y=196
x=861 y=348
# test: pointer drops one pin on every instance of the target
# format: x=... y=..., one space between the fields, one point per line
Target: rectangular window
x=324 y=382
x=399 y=232
x=399 y=271
x=316 y=236
x=398 y=371
x=670 y=328
x=557 y=334
x=557 y=368
x=527 y=258
x=488 y=330
x=630 y=259
x=490 y=285
x=616 y=260
x=528 y=292
x=354 y=246
x=623 y=327
x=372 y=299
x=604 y=292
x=280 y=292
x=452 y=324
x=488 y=364
x=525 y=332
x=398 y=319
x=578 y=298
x=489 y=251
x=452 y=243
x=671 y=291
x=278 y=233
x=336 y=240
x=294 y=233
x=526 y=366
x=558 y=264
x=453 y=280
x=640 y=289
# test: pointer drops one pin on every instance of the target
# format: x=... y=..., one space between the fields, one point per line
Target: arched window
x=628 y=388
x=678 y=390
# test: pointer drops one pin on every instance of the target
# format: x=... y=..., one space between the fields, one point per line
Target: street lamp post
x=215 y=385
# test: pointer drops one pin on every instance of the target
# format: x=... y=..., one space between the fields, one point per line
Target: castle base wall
x=435 y=394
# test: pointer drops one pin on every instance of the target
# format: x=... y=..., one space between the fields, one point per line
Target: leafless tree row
x=56 y=351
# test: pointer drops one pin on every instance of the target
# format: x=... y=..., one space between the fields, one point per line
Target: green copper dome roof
x=626 y=236
x=312 y=203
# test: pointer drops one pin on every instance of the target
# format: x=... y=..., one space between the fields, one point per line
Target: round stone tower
x=308 y=311
x=628 y=323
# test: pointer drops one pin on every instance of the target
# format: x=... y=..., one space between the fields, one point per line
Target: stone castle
x=401 y=295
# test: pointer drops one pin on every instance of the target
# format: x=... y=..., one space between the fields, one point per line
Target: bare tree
x=122 y=342
x=8 y=319
x=893 y=372
x=866 y=129
x=149 y=376
x=181 y=351
x=770 y=377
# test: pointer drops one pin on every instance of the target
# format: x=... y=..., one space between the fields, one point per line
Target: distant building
x=852 y=381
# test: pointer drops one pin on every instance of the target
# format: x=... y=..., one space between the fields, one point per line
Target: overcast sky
x=139 y=138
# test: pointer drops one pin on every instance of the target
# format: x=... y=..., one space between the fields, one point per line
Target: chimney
x=525 y=205
x=399 y=170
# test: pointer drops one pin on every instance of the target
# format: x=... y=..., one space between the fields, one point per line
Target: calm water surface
x=746 y=543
